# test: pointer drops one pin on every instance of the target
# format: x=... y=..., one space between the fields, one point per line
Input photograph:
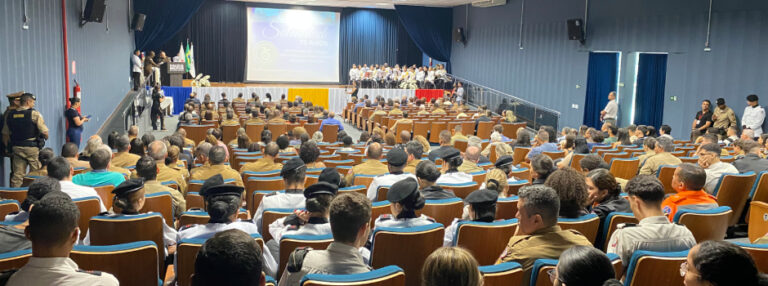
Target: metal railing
x=532 y=114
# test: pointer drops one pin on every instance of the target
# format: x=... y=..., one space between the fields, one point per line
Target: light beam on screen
x=287 y=45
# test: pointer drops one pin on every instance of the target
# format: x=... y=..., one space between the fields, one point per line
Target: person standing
x=702 y=121
x=157 y=112
x=459 y=93
x=24 y=142
x=75 y=120
x=611 y=111
x=136 y=67
x=753 y=117
x=723 y=117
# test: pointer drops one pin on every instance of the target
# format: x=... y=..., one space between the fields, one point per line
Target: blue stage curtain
x=601 y=80
x=651 y=80
x=179 y=94
x=164 y=19
x=367 y=36
x=430 y=28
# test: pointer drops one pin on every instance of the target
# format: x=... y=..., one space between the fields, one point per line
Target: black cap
x=321 y=188
x=720 y=101
x=214 y=186
x=752 y=97
x=330 y=175
x=482 y=196
x=129 y=186
x=453 y=153
x=503 y=161
x=292 y=164
x=214 y=180
x=397 y=157
x=402 y=189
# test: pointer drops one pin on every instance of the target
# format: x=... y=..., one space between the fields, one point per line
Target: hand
x=302 y=215
x=714 y=116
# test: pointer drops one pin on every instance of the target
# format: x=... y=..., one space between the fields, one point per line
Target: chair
x=485 y=240
x=692 y=160
x=478 y=177
x=540 y=271
x=229 y=132
x=760 y=189
x=337 y=163
x=443 y=211
x=610 y=156
x=254 y=131
x=600 y=147
x=576 y=160
x=461 y=190
x=759 y=253
x=555 y=155
x=106 y=230
x=611 y=223
x=386 y=276
x=358 y=189
x=484 y=129
x=655 y=268
x=277 y=129
x=461 y=145
x=133 y=263
x=28 y=180
x=14 y=259
x=510 y=130
x=378 y=209
x=519 y=154
x=202 y=217
x=271 y=215
x=434 y=131
x=265 y=183
x=521 y=174
x=514 y=187
x=390 y=243
x=197 y=132
x=8 y=206
x=733 y=190
x=105 y=193
x=625 y=168
x=506 y=208
x=708 y=224
x=587 y=225
x=400 y=128
x=421 y=128
x=330 y=133
x=89 y=207
x=381 y=192
x=602 y=152
x=503 y=274
x=664 y=174
x=758 y=227
x=194 y=200
x=253 y=203
x=18 y=194
x=312 y=128
x=290 y=242
x=186 y=253
x=161 y=203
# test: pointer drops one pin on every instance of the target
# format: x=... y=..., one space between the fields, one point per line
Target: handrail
x=504 y=94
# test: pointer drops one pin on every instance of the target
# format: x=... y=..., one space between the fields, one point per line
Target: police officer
x=293 y=173
x=14 y=100
x=23 y=130
x=406 y=200
x=222 y=202
x=482 y=208
x=396 y=160
x=371 y=166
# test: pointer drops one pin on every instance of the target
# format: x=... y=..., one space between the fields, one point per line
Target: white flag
x=180 y=56
x=192 y=60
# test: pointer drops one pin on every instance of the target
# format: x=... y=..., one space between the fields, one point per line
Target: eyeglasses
x=552 y=275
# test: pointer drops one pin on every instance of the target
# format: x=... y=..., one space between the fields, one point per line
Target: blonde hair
x=173 y=155
x=499 y=182
x=423 y=142
x=92 y=145
x=451 y=266
x=298 y=131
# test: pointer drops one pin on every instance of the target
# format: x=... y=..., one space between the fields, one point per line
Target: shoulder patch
x=293 y=227
x=296 y=259
x=385 y=217
x=667 y=210
x=430 y=219
x=186 y=227
x=95 y=273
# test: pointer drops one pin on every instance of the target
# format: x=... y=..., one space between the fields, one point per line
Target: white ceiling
x=381 y=4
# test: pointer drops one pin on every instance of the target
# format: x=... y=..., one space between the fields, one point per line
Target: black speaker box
x=458 y=35
x=138 y=22
x=576 y=30
x=94 y=11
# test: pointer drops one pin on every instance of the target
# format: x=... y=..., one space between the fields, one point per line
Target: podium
x=172 y=73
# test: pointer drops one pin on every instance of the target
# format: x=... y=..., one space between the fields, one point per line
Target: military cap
x=397 y=157
x=503 y=161
x=330 y=175
x=482 y=196
x=292 y=164
x=215 y=186
x=15 y=95
x=321 y=188
x=128 y=187
x=402 y=189
x=451 y=154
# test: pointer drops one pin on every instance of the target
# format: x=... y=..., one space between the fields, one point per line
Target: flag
x=191 y=61
x=180 y=55
x=186 y=59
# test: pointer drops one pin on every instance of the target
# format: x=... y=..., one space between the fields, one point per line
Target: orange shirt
x=670 y=205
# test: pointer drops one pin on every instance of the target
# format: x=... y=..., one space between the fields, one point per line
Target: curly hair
x=572 y=190
x=309 y=152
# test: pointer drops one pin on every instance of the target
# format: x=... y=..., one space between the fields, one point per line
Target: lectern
x=172 y=73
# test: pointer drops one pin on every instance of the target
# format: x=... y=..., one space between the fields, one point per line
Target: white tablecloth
x=232 y=92
x=338 y=97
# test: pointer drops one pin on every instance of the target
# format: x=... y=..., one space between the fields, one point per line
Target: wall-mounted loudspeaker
x=458 y=35
x=94 y=11
x=138 y=22
x=576 y=30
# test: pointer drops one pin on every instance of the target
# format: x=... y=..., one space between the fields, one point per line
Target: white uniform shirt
x=611 y=110
x=753 y=119
x=76 y=191
x=714 y=172
x=460 y=94
x=272 y=247
x=353 y=74
x=60 y=271
x=137 y=65
x=385 y=180
x=391 y=221
x=450 y=233
x=281 y=201
x=207 y=230
x=420 y=76
x=653 y=234
x=454 y=178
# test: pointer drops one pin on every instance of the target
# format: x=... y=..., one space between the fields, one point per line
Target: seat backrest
x=364 y=180
x=105 y=193
x=356 y=188
x=89 y=207
x=378 y=209
x=197 y=132
x=256 y=198
x=625 y=168
x=555 y=155
x=506 y=208
x=229 y=132
x=421 y=128
x=759 y=190
x=708 y=224
x=733 y=190
x=502 y=274
x=194 y=200
x=759 y=253
x=277 y=129
x=655 y=268
x=484 y=129
x=140 y=255
x=106 y=230
x=254 y=131
x=161 y=203
x=18 y=194
x=521 y=174
x=611 y=156
x=611 y=223
x=664 y=175
x=461 y=145
x=265 y=183
x=539 y=271
x=478 y=177
x=576 y=161
x=519 y=154
x=337 y=163
x=587 y=224
x=8 y=206
x=193 y=217
x=514 y=187
x=330 y=133
x=390 y=243
x=758 y=212
x=28 y=180
x=381 y=193
x=443 y=211
x=14 y=259
x=290 y=242
x=270 y=216
x=434 y=131
x=385 y=276
x=186 y=253
x=400 y=128
x=485 y=240
x=461 y=190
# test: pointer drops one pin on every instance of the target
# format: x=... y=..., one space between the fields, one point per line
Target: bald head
x=374 y=151
x=157 y=150
x=472 y=154
x=271 y=149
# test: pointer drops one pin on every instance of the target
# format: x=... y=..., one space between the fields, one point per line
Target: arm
x=731 y=118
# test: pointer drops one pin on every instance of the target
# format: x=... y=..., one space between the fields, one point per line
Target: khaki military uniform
x=261 y=165
x=369 y=167
x=75 y=163
x=125 y=159
x=338 y=258
x=422 y=112
x=458 y=136
x=645 y=156
x=653 y=234
x=230 y=122
x=226 y=172
x=544 y=243
x=381 y=112
x=24 y=156
x=254 y=121
x=725 y=119
x=396 y=111
x=178 y=166
x=179 y=203
x=166 y=174
x=439 y=110
x=469 y=167
x=122 y=171
x=401 y=121
x=653 y=163
x=411 y=166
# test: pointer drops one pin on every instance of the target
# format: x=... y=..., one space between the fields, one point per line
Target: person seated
x=538 y=235
x=450 y=169
x=406 y=200
x=542 y=144
x=720 y=263
x=654 y=232
x=476 y=142
x=427 y=175
x=445 y=146
x=44 y=157
x=662 y=157
x=451 y=266
x=649 y=146
x=231 y=257
x=496 y=142
x=733 y=135
x=712 y=138
x=350 y=215
x=371 y=166
x=123 y=158
x=604 y=194
x=53 y=230
x=99 y=163
x=505 y=164
x=572 y=190
x=217 y=158
x=611 y=132
x=457 y=135
x=284 y=143
x=265 y=163
x=751 y=162
x=396 y=160
x=541 y=167
x=688 y=181
x=414 y=149
x=146 y=168
x=481 y=207
x=496 y=180
x=572 y=145
x=222 y=202
x=597 y=139
x=709 y=159
x=471 y=159
x=294 y=174
x=309 y=152
x=69 y=152
x=12 y=231
x=331 y=120
x=584 y=265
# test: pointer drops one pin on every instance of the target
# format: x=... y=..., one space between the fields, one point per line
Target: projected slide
x=286 y=45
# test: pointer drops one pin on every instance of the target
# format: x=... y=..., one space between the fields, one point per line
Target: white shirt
x=611 y=110
x=753 y=119
x=420 y=76
x=459 y=93
x=714 y=172
x=207 y=230
x=390 y=221
x=454 y=178
x=136 y=63
x=281 y=201
x=385 y=180
x=76 y=191
x=353 y=74
x=59 y=271
x=278 y=230
x=652 y=233
x=450 y=233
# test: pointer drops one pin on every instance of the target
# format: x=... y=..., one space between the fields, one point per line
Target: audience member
x=310 y=153
x=751 y=162
x=123 y=158
x=146 y=168
x=99 y=162
x=662 y=157
x=481 y=207
x=266 y=163
x=396 y=159
x=294 y=175
x=541 y=167
x=583 y=265
x=69 y=152
x=405 y=200
x=572 y=190
x=35 y=191
x=720 y=263
x=450 y=169
x=61 y=170
x=457 y=135
x=604 y=194
x=231 y=257
x=709 y=159
x=217 y=158
x=471 y=159
x=451 y=266
x=542 y=145
x=158 y=151
x=446 y=146
x=688 y=181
